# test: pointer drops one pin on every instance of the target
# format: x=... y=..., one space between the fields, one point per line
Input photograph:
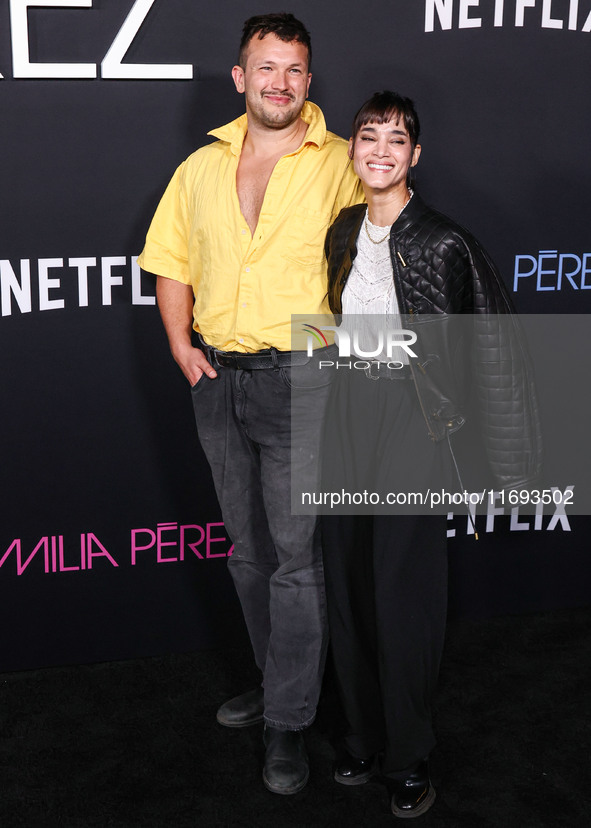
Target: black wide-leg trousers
x=386 y=583
x=385 y=574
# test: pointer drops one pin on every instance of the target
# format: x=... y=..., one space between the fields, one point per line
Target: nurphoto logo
x=373 y=342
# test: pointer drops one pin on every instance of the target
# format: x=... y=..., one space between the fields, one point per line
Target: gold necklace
x=375 y=241
x=380 y=241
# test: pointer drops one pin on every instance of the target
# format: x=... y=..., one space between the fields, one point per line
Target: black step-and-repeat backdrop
x=111 y=540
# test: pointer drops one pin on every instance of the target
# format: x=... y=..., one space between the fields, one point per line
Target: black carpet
x=136 y=743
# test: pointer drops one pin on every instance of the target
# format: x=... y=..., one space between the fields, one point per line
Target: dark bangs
x=387 y=106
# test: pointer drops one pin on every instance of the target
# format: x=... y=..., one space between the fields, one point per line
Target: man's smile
x=278 y=98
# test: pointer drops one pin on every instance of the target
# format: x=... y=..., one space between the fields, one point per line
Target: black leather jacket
x=469 y=342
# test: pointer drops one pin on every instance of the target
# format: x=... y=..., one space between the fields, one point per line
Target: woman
x=389 y=431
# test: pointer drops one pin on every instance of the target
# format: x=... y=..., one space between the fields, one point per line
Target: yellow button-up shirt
x=247 y=286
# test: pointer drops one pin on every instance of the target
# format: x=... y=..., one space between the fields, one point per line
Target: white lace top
x=370 y=288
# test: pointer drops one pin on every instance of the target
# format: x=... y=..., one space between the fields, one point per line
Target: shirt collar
x=234 y=132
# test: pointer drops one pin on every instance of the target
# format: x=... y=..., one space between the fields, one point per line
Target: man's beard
x=278 y=118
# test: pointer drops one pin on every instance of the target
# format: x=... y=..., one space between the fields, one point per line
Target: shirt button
x=244 y=304
x=248 y=270
x=243 y=232
x=241 y=340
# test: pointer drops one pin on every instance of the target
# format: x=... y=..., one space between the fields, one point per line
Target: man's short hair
x=283 y=25
x=383 y=107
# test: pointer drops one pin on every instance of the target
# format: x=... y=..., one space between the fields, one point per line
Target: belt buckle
x=368 y=372
x=212 y=356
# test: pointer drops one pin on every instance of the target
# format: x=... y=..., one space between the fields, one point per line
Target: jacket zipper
x=409 y=312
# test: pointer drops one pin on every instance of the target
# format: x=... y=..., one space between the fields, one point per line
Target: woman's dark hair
x=383 y=107
x=283 y=25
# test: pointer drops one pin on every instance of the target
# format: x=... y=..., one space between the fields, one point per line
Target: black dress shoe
x=243 y=710
x=286 y=761
x=352 y=771
x=414 y=795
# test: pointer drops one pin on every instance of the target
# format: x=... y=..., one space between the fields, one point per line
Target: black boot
x=286 y=761
x=414 y=795
x=352 y=771
x=243 y=710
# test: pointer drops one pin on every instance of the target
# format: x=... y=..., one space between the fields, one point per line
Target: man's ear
x=238 y=78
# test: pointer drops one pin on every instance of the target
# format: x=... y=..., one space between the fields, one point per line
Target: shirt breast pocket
x=305 y=236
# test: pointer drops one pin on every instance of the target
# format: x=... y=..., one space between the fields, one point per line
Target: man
x=237 y=243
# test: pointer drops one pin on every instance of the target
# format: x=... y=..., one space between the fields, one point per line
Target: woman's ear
x=350 y=151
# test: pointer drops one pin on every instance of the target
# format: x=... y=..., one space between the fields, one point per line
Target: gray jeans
x=244 y=424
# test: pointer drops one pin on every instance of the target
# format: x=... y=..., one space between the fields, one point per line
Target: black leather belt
x=270 y=358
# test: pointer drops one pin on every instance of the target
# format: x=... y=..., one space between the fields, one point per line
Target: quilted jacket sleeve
x=503 y=378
